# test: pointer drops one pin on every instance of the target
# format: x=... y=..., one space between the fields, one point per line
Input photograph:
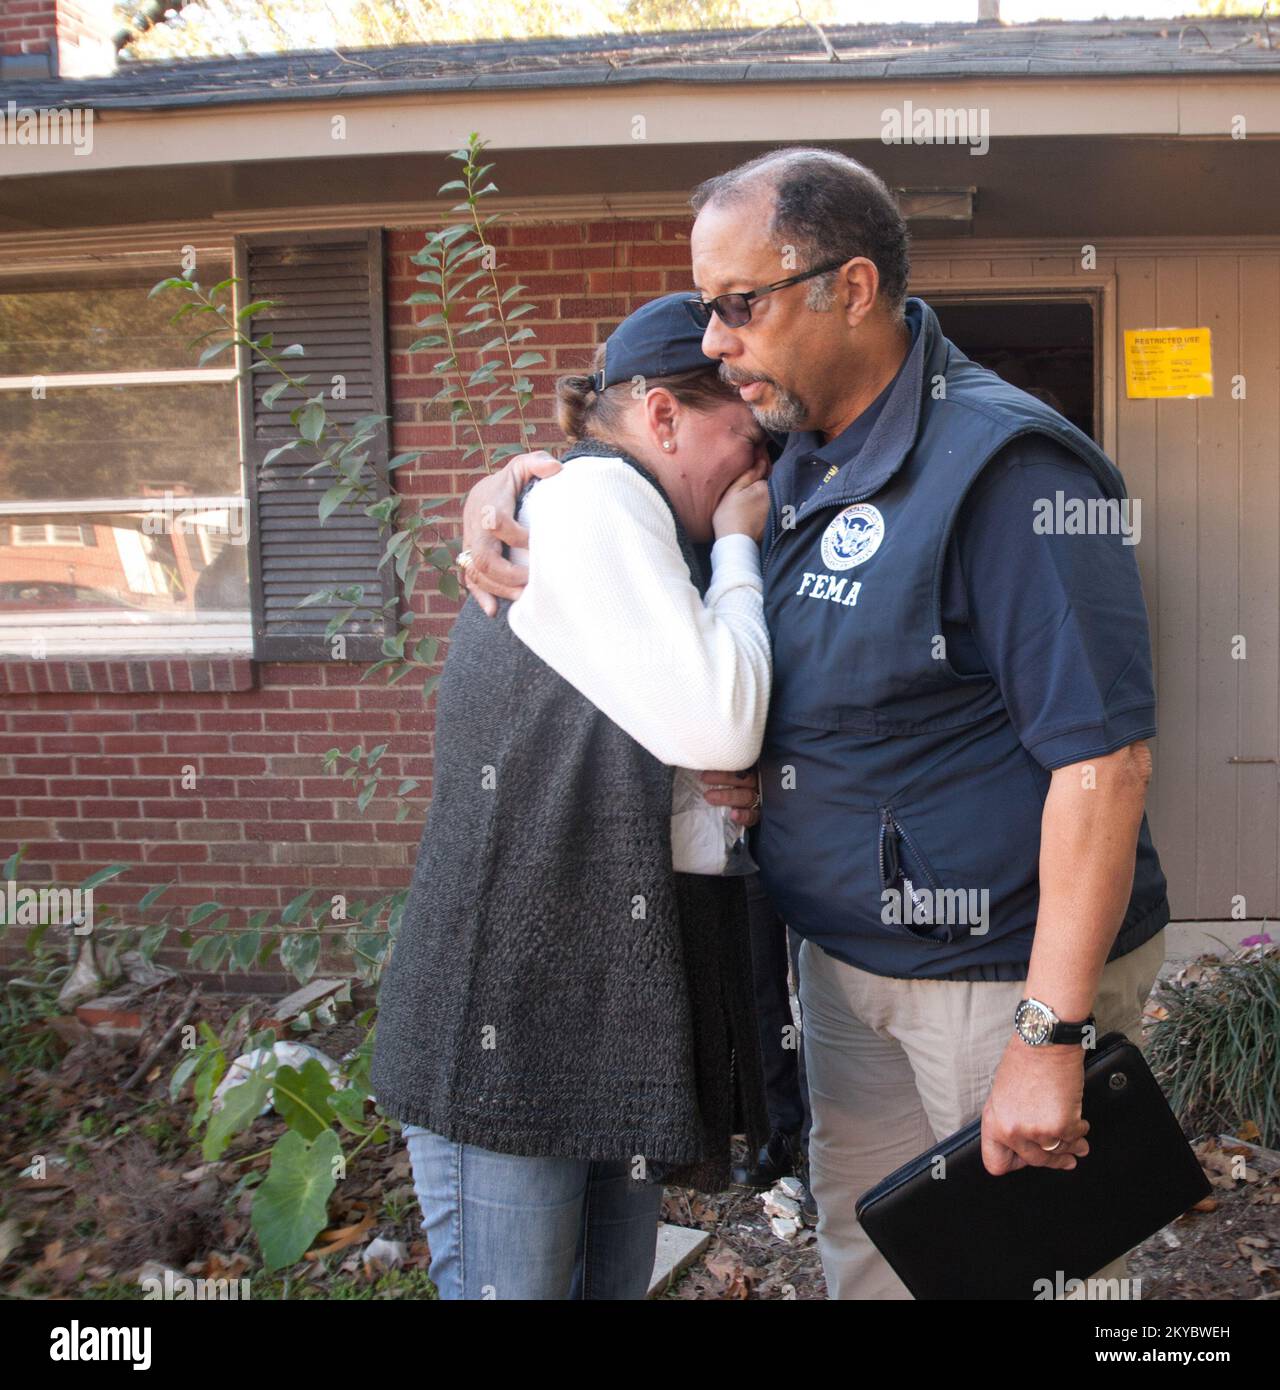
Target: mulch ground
x=125 y=1192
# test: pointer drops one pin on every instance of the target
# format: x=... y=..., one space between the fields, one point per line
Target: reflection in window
x=47 y=533
x=180 y=568
x=124 y=440
x=122 y=515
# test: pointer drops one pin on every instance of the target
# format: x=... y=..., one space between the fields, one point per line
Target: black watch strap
x=1073 y=1032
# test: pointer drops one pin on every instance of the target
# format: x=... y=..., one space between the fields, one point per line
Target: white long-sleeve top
x=611 y=608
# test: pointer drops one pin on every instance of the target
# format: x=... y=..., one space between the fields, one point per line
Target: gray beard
x=786 y=414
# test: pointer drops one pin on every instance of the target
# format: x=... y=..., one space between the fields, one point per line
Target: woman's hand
x=744 y=507
x=741 y=790
x=489 y=521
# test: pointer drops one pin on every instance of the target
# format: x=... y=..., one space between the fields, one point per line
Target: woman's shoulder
x=593 y=487
x=597 y=473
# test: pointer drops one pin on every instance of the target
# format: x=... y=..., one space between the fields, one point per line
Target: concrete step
x=1185 y=941
x=678 y=1247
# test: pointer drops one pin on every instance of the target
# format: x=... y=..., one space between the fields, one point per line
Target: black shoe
x=778 y=1159
x=808 y=1207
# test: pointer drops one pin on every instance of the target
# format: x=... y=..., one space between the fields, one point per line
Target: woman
x=567 y=1020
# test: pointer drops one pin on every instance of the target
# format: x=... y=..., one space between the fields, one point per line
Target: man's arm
x=1059 y=623
x=1088 y=841
x=489 y=521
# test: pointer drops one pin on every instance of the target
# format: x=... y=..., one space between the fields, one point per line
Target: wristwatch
x=1038 y=1026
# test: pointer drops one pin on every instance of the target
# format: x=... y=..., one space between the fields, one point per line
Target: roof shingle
x=793 y=52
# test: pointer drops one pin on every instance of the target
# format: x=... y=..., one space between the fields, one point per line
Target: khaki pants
x=896 y=1065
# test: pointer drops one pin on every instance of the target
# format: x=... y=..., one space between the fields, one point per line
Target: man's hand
x=1088 y=839
x=741 y=790
x=489 y=520
x=1035 y=1100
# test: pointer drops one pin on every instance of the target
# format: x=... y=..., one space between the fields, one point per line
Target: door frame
x=1098 y=291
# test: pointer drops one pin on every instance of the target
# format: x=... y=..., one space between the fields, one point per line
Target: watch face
x=1032 y=1023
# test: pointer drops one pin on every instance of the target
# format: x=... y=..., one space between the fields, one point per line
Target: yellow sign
x=1168 y=363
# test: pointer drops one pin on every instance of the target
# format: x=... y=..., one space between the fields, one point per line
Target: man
x=773 y=950
x=955 y=766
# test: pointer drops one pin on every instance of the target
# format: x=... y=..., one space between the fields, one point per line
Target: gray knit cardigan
x=555 y=987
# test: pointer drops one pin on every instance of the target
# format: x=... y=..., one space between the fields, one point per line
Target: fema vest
x=900 y=813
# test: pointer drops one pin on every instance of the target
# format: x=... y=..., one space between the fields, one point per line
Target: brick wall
x=582 y=276
x=75 y=34
x=92 y=754
x=28 y=26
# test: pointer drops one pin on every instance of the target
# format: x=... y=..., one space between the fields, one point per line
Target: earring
x=666 y=443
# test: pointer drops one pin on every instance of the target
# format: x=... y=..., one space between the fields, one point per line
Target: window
x=1043 y=342
x=51 y=533
x=123 y=517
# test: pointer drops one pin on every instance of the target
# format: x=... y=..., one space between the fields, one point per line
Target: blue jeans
x=504 y=1226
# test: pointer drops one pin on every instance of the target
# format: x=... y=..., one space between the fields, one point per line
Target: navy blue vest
x=900 y=823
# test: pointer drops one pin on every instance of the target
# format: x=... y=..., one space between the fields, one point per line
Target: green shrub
x=27 y=1001
x=1217 y=1049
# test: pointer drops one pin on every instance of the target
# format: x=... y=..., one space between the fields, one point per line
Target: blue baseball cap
x=659 y=339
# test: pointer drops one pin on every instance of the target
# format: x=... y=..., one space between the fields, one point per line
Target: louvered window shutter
x=328 y=285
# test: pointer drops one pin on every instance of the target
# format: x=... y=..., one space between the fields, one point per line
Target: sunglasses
x=735 y=309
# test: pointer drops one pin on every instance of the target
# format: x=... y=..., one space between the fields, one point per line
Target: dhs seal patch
x=853 y=537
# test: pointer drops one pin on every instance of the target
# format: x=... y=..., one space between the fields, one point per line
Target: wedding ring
x=755 y=805
x=464 y=559
x=1052 y=1148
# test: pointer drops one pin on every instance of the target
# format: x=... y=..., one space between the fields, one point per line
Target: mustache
x=732 y=378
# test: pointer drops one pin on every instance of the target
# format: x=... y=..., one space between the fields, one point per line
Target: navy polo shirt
x=823 y=460
x=1049 y=617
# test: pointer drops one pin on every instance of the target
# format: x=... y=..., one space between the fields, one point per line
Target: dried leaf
x=331 y=1241
x=728 y=1267
x=1215 y=1161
